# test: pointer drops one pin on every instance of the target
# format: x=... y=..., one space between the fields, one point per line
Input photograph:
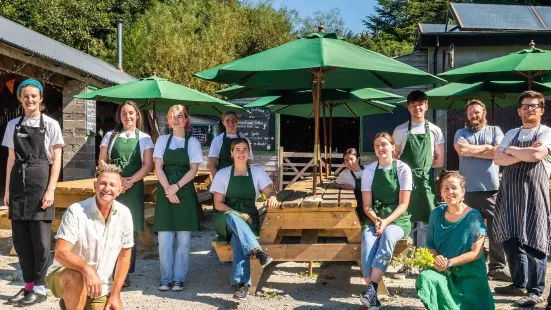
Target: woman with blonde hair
x=177 y=157
x=386 y=188
x=456 y=240
x=131 y=150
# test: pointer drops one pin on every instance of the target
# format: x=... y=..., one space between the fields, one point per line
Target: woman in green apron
x=456 y=239
x=132 y=151
x=386 y=188
x=177 y=157
x=351 y=178
x=219 y=153
x=236 y=217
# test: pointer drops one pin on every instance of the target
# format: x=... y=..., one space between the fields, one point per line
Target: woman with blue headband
x=34 y=143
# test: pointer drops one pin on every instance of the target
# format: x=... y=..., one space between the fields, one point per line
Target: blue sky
x=352 y=11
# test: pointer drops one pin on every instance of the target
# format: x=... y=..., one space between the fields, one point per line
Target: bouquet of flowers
x=417 y=258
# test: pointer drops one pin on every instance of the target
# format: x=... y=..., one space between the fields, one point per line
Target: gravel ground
x=283 y=285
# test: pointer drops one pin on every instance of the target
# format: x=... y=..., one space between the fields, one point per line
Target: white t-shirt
x=400 y=134
x=544 y=135
x=222 y=179
x=54 y=136
x=194 y=147
x=346 y=177
x=144 y=141
x=404 y=175
x=217 y=142
x=98 y=243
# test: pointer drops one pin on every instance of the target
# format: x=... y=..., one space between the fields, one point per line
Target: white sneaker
x=165 y=287
x=178 y=286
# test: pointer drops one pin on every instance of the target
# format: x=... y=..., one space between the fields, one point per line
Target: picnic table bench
x=330 y=213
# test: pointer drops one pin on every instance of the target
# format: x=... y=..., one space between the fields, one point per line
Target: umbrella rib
x=247 y=77
x=381 y=78
x=371 y=104
x=350 y=110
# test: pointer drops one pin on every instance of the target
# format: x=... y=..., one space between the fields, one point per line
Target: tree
x=86 y=25
x=332 y=21
x=180 y=38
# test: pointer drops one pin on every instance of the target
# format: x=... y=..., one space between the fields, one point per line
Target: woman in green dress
x=351 y=178
x=236 y=217
x=131 y=150
x=177 y=157
x=386 y=187
x=219 y=153
x=456 y=239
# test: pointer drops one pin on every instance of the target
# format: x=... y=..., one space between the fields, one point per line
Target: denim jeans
x=243 y=241
x=419 y=233
x=174 y=267
x=527 y=266
x=377 y=251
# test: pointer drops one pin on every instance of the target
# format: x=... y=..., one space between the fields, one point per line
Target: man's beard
x=530 y=119
x=476 y=125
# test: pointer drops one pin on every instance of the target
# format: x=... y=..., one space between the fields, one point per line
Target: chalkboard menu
x=203 y=133
x=90 y=117
x=258 y=125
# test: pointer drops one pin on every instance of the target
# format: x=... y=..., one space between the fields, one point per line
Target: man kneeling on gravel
x=94 y=235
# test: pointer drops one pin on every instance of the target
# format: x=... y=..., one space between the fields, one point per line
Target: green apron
x=126 y=154
x=385 y=191
x=182 y=216
x=358 y=195
x=241 y=197
x=224 y=157
x=418 y=156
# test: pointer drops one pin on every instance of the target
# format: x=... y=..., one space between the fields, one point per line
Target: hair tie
x=30 y=82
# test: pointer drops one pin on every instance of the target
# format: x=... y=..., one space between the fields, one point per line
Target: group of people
x=396 y=193
x=95 y=249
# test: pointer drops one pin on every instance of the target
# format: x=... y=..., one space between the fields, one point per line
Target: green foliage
x=86 y=25
x=332 y=22
x=304 y=274
x=178 y=38
x=418 y=258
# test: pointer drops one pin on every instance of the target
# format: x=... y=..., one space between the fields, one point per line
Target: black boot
x=32 y=298
x=17 y=297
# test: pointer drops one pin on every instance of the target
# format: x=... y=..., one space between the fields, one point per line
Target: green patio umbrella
x=158 y=94
x=529 y=65
x=492 y=93
x=319 y=58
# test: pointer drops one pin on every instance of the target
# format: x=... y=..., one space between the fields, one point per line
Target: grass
x=14 y=278
x=304 y=274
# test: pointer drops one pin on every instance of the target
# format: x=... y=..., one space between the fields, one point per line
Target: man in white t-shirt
x=522 y=220
x=420 y=144
x=94 y=235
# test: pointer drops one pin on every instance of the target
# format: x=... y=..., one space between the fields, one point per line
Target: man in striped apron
x=522 y=221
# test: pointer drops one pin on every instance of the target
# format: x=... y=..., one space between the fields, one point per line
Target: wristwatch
x=450 y=264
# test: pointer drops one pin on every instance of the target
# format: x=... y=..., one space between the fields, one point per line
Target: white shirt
x=144 y=141
x=404 y=175
x=98 y=243
x=222 y=179
x=544 y=135
x=217 y=142
x=53 y=136
x=346 y=177
x=194 y=148
x=400 y=134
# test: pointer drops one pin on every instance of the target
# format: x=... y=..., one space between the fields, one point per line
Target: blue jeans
x=243 y=241
x=527 y=266
x=377 y=251
x=174 y=267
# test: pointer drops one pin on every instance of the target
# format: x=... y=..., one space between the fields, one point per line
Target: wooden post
x=493 y=101
x=316 y=93
x=280 y=168
x=325 y=142
x=330 y=137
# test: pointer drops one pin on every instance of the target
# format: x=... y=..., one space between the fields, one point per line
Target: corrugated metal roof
x=32 y=42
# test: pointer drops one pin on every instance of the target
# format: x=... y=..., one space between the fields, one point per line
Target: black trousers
x=485 y=202
x=33 y=241
x=527 y=266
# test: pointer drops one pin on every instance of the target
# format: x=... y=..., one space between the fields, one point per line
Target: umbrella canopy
x=526 y=65
x=282 y=105
x=154 y=93
x=327 y=95
x=492 y=93
x=292 y=66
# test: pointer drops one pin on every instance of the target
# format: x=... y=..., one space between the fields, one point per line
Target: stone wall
x=79 y=151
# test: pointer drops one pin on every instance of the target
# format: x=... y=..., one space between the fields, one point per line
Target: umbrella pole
x=325 y=142
x=493 y=100
x=318 y=77
x=330 y=136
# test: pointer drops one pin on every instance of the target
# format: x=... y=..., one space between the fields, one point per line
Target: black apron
x=30 y=174
x=358 y=195
x=522 y=203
